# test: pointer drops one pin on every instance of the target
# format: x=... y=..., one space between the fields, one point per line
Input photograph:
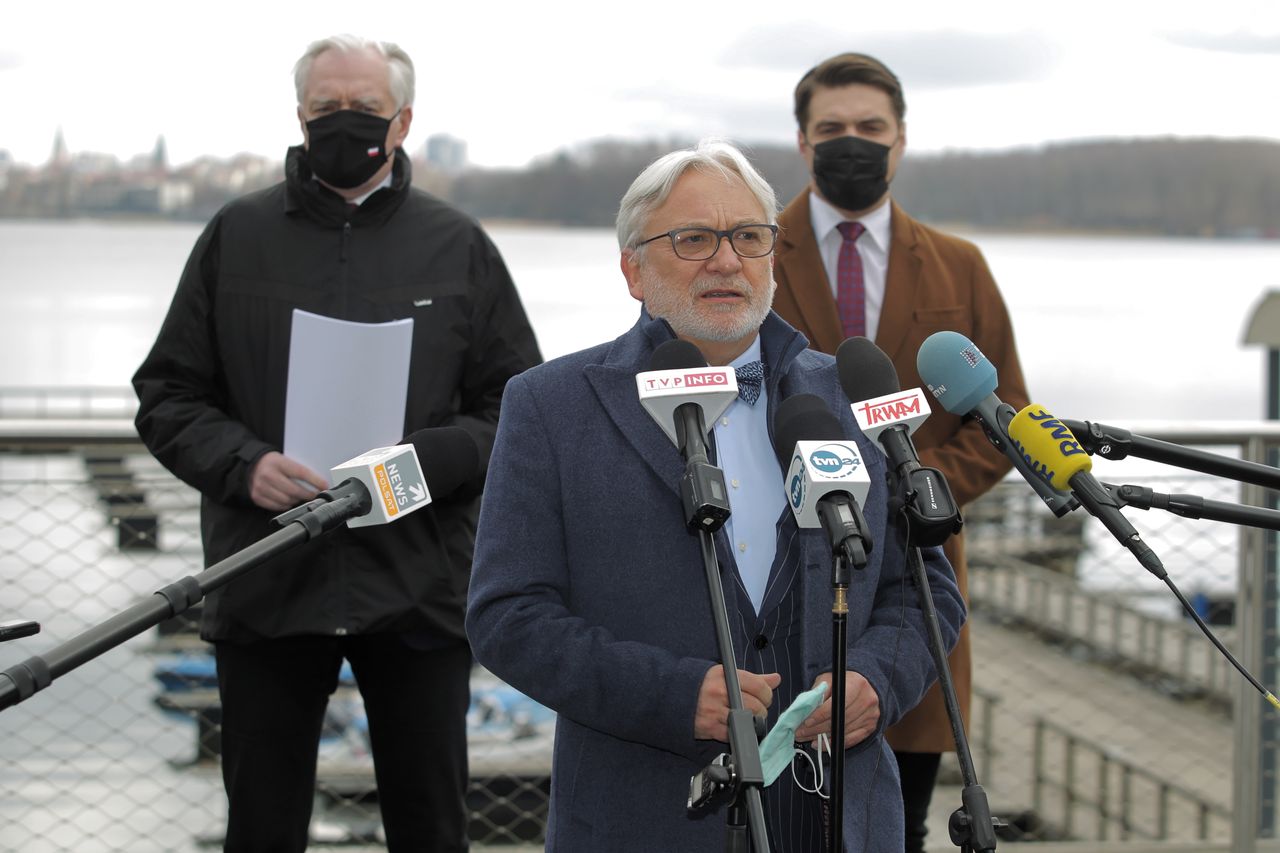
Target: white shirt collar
x=825 y=218
x=752 y=354
x=385 y=182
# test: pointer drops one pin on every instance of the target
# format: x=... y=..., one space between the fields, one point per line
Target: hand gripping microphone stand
x=923 y=498
x=735 y=777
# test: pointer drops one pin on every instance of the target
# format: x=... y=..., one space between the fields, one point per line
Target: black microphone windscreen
x=803 y=417
x=448 y=455
x=866 y=372
x=676 y=353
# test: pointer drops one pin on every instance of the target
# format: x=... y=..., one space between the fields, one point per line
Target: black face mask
x=345 y=148
x=851 y=172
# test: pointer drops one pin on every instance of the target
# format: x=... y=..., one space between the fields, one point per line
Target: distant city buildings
x=446 y=153
x=86 y=183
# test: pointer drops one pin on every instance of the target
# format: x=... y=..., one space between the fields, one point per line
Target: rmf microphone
x=963 y=381
x=1054 y=454
x=388 y=483
x=826 y=479
x=889 y=415
x=683 y=395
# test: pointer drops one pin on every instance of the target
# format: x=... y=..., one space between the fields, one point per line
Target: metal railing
x=67 y=401
x=104 y=764
x=122 y=752
x=1110 y=630
x=1116 y=793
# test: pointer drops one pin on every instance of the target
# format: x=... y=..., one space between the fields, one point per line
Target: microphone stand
x=301 y=524
x=1115 y=443
x=18 y=628
x=1194 y=506
x=735 y=777
x=849 y=547
x=971 y=827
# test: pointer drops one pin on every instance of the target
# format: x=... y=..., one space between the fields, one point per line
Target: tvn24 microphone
x=826 y=479
x=889 y=415
x=390 y=482
x=683 y=395
x=1054 y=454
x=963 y=381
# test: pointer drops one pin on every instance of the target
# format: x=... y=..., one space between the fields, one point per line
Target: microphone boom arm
x=1194 y=506
x=1115 y=443
x=336 y=506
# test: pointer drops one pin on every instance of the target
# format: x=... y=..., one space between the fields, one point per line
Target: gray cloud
x=940 y=59
x=1237 y=42
x=10 y=59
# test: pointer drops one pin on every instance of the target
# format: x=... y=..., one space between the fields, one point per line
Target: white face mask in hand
x=778 y=747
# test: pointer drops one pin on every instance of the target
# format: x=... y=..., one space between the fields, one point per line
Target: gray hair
x=399 y=65
x=654 y=185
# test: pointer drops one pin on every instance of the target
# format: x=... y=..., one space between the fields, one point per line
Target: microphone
x=826 y=479
x=1058 y=459
x=963 y=382
x=683 y=395
x=387 y=483
x=889 y=415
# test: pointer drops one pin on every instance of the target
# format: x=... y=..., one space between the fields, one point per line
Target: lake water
x=1121 y=330
x=1115 y=329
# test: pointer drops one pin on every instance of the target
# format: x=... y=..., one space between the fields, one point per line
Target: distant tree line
x=1203 y=187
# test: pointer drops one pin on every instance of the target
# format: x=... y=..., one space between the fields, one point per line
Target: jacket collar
x=613 y=380
x=306 y=196
x=807 y=278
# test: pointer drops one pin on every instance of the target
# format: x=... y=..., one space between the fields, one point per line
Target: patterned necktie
x=750 y=375
x=851 y=294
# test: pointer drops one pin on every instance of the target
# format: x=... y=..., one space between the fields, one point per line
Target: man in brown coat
x=898 y=282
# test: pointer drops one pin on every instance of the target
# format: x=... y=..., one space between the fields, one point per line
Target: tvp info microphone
x=683 y=395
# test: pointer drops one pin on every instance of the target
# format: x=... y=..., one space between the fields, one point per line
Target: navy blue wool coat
x=588 y=595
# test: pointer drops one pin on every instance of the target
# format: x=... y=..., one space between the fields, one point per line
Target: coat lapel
x=614 y=383
x=901 y=285
x=800 y=264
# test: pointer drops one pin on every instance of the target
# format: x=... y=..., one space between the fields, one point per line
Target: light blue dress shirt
x=754 y=480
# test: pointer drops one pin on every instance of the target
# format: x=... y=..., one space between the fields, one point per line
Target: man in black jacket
x=347 y=237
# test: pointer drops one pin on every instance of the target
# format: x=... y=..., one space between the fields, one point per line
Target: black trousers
x=274 y=694
x=919 y=772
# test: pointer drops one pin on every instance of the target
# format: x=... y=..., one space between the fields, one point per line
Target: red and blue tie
x=851 y=293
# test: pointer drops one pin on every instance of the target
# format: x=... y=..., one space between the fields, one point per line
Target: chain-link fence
x=1100 y=712
x=122 y=752
x=1111 y=712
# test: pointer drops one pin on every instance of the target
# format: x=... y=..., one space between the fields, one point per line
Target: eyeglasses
x=699 y=244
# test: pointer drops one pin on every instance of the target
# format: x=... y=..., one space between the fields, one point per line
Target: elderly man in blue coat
x=589 y=595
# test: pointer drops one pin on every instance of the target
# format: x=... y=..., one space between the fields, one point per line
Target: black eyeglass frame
x=720 y=236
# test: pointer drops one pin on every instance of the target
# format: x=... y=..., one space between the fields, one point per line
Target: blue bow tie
x=750 y=377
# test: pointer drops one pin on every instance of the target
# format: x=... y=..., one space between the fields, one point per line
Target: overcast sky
x=517 y=80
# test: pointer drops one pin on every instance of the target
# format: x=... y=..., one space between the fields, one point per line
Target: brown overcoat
x=936 y=282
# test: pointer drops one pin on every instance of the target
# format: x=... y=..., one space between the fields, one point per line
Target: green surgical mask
x=777 y=748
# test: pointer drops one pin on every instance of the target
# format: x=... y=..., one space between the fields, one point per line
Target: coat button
x=761 y=641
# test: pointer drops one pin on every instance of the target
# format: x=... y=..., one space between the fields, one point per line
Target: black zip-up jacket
x=212 y=393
